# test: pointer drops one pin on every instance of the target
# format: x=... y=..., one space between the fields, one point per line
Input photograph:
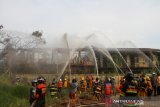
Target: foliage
x=14 y=96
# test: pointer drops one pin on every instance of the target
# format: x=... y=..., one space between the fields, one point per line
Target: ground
x=153 y=102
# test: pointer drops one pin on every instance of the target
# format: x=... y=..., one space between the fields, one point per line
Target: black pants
x=31 y=100
x=40 y=103
x=155 y=90
x=158 y=90
x=149 y=92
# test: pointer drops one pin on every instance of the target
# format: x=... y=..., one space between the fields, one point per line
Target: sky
x=136 y=21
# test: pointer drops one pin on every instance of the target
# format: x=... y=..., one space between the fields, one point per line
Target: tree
x=37 y=34
x=14 y=44
x=1 y=26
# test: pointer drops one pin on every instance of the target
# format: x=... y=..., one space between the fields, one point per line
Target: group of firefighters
x=128 y=86
x=38 y=92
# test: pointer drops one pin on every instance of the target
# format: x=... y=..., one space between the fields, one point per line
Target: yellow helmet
x=147 y=78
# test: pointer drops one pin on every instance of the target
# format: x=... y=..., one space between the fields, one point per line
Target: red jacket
x=60 y=84
x=40 y=91
x=108 y=89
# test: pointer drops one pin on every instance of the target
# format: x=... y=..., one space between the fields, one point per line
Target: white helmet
x=154 y=73
x=35 y=81
x=41 y=79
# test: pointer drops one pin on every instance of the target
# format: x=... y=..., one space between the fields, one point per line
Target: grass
x=12 y=95
x=58 y=102
x=18 y=96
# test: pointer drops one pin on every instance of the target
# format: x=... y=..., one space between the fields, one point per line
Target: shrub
x=14 y=96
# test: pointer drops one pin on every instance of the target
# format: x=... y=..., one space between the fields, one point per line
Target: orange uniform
x=40 y=91
x=108 y=89
x=40 y=95
x=60 y=84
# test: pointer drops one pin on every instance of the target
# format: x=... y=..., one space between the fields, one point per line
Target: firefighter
x=119 y=86
x=149 y=87
x=82 y=85
x=53 y=90
x=40 y=93
x=129 y=90
x=69 y=83
x=88 y=81
x=101 y=83
x=96 y=88
x=98 y=91
x=154 y=83
x=91 y=82
x=60 y=85
x=158 y=84
x=54 y=81
x=108 y=92
x=142 y=87
x=72 y=92
x=65 y=83
x=85 y=85
x=33 y=91
x=112 y=81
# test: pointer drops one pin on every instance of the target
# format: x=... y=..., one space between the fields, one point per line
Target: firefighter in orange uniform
x=108 y=92
x=40 y=93
x=60 y=85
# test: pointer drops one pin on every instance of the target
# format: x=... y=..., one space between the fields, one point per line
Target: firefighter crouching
x=40 y=93
x=129 y=91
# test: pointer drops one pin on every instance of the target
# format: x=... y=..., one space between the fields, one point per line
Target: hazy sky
x=132 y=20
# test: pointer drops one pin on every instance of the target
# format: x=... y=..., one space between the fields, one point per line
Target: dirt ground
x=148 y=102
